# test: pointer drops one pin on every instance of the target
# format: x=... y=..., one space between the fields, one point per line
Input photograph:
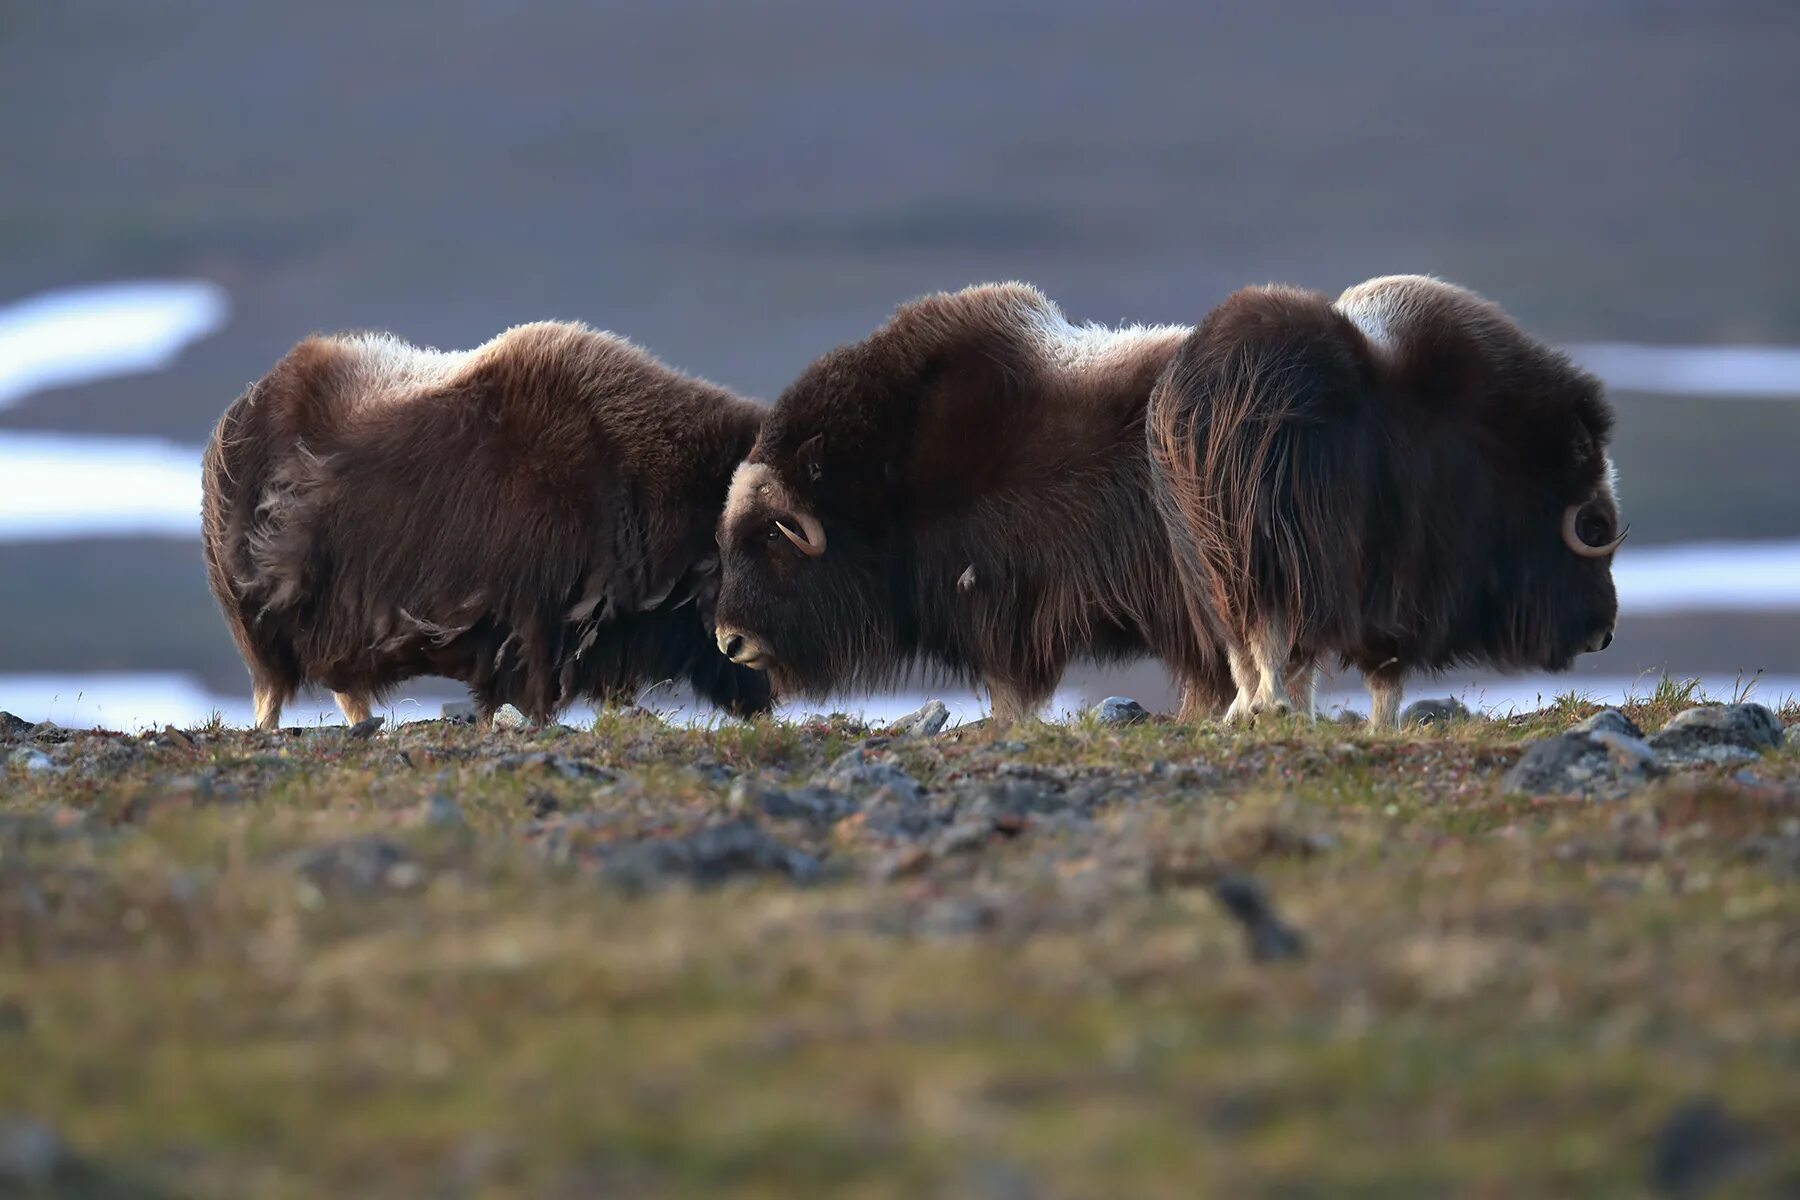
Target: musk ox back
x=967 y=489
x=1402 y=479
x=534 y=518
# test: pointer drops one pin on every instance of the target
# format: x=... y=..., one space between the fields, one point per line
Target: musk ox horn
x=812 y=543
x=1572 y=539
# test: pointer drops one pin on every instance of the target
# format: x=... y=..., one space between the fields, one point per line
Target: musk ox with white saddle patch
x=967 y=489
x=1400 y=479
x=534 y=518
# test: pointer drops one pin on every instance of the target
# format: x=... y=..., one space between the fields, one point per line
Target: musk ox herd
x=1399 y=480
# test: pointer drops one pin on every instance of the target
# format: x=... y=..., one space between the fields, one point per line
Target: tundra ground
x=798 y=960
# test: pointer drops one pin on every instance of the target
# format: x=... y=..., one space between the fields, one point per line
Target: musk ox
x=967 y=488
x=1401 y=479
x=534 y=517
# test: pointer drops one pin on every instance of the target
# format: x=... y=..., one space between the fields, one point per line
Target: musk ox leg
x=354 y=705
x=1260 y=671
x=1302 y=682
x=1386 y=686
x=1012 y=702
x=268 y=699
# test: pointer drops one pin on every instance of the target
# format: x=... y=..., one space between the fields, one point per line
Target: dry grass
x=1500 y=996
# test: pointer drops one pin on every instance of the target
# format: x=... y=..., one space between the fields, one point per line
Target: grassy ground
x=637 y=960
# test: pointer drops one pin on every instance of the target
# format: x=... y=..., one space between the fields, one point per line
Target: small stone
x=441 y=812
x=854 y=774
x=926 y=721
x=903 y=863
x=177 y=737
x=359 y=865
x=48 y=731
x=462 y=712
x=1698 y=1146
x=1609 y=720
x=1270 y=939
x=13 y=727
x=1792 y=738
x=1718 y=733
x=706 y=857
x=1120 y=710
x=509 y=717
x=365 y=729
x=32 y=762
x=32 y=1154
x=1351 y=718
x=1434 y=712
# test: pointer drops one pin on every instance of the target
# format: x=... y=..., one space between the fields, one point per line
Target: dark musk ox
x=967 y=489
x=1400 y=479
x=534 y=517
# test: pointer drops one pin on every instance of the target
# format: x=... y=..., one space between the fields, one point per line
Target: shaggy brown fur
x=977 y=475
x=1383 y=479
x=534 y=518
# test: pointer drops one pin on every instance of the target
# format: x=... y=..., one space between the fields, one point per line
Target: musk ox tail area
x=1254 y=429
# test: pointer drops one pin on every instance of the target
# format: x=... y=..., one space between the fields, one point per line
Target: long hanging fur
x=534 y=518
x=978 y=467
x=1381 y=479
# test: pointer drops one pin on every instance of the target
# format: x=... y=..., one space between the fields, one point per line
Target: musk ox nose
x=1600 y=641
x=1606 y=640
x=739 y=647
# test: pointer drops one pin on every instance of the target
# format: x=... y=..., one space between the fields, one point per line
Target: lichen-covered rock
x=1120 y=710
x=1434 y=712
x=853 y=773
x=33 y=762
x=705 y=857
x=508 y=717
x=1718 y=733
x=926 y=721
x=12 y=727
x=1608 y=720
x=1603 y=765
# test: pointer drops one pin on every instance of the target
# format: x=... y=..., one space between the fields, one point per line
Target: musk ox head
x=807 y=583
x=1542 y=516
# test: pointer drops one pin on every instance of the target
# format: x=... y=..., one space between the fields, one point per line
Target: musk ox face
x=1551 y=575
x=810 y=608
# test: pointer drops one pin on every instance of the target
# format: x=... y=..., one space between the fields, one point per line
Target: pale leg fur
x=1260 y=671
x=354 y=705
x=1302 y=685
x=1010 y=704
x=268 y=707
x=1385 y=690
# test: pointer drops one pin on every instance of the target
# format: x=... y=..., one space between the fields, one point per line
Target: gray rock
x=49 y=731
x=364 y=729
x=706 y=857
x=817 y=804
x=1718 y=733
x=13 y=727
x=1120 y=710
x=33 y=762
x=1270 y=939
x=508 y=717
x=854 y=774
x=32 y=1154
x=1699 y=1146
x=460 y=711
x=1434 y=712
x=1600 y=765
x=1609 y=720
x=441 y=812
x=543 y=760
x=1792 y=737
x=358 y=865
x=927 y=721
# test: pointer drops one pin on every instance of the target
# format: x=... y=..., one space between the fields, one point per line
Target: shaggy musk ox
x=968 y=488
x=1402 y=479
x=534 y=518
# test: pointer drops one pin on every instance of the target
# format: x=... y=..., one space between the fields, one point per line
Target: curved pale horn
x=812 y=541
x=1573 y=541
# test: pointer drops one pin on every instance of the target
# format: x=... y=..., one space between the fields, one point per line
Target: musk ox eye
x=1594 y=528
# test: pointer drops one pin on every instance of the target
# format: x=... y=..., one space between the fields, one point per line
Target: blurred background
x=186 y=189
